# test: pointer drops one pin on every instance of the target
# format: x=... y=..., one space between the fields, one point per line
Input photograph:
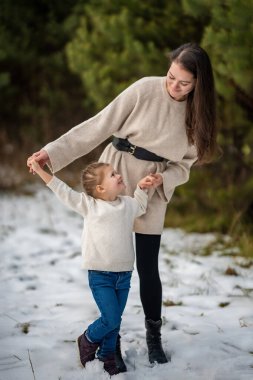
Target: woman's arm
x=86 y=136
x=176 y=174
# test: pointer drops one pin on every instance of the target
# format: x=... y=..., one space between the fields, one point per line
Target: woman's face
x=180 y=82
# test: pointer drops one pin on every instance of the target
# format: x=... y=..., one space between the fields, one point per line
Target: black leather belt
x=136 y=151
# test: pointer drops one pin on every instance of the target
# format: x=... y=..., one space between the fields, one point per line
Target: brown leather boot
x=87 y=349
x=110 y=365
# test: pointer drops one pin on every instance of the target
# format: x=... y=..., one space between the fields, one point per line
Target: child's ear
x=100 y=189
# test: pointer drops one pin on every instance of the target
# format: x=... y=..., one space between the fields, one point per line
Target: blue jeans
x=110 y=291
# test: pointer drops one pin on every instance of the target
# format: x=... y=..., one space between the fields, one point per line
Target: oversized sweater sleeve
x=141 y=198
x=177 y=173
x=86 y=136
x=76 y=201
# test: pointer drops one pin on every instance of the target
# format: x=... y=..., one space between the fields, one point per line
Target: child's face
x=112 y=183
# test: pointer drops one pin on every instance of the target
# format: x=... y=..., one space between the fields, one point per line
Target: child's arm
x=46 y=177
x=78 y=202
x=141 y=192
x=140 y=200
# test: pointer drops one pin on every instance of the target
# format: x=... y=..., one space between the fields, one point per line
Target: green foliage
x=228 y=39
x=34 y=76
x=62 y=61
x=117 y=43
x=198 y=9
x=234 y=38
x=234 y=84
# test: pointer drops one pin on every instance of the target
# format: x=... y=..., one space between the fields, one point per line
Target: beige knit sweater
x=107 y=238
x=146 y=115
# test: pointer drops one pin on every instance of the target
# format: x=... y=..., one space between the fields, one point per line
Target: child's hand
x=150 y=181
x=35 y=166
x=146 y=182
x=41 y=157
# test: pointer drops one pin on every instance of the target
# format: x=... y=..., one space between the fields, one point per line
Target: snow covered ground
x=45 y=302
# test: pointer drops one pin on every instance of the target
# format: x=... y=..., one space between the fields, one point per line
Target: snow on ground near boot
x=46 y=303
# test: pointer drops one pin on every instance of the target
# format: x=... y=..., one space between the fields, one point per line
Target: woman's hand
x=157 y=179
x=41 y=157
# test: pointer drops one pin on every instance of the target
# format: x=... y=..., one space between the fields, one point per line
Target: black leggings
x=147 y=250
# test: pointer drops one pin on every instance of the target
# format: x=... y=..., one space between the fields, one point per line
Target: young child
x=107 y=249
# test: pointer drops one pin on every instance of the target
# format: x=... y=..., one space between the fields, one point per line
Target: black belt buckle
x=136 y=151
x=132 y=149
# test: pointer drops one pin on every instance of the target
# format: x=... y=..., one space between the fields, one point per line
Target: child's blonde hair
x=92 y=176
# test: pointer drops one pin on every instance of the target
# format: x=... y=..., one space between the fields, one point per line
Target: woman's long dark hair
x=201 y=103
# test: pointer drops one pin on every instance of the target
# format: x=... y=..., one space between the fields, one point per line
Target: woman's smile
x=179 y=82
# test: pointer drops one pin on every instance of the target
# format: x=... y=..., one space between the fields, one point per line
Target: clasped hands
x=40 y=157
x=151 y=181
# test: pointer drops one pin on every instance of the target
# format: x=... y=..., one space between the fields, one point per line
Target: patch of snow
x=45 y=302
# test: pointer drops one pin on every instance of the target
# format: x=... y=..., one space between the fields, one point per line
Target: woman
x=159 y=125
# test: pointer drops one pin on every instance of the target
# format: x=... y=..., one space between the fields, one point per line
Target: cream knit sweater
x=107 y=239
x=146 y=115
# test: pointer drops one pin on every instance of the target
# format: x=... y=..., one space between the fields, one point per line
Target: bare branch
x=31 y=365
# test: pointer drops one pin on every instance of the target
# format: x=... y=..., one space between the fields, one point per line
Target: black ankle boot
x=153 y=337
x=118 y=357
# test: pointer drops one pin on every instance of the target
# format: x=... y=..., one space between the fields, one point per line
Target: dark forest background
x=62 y=61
